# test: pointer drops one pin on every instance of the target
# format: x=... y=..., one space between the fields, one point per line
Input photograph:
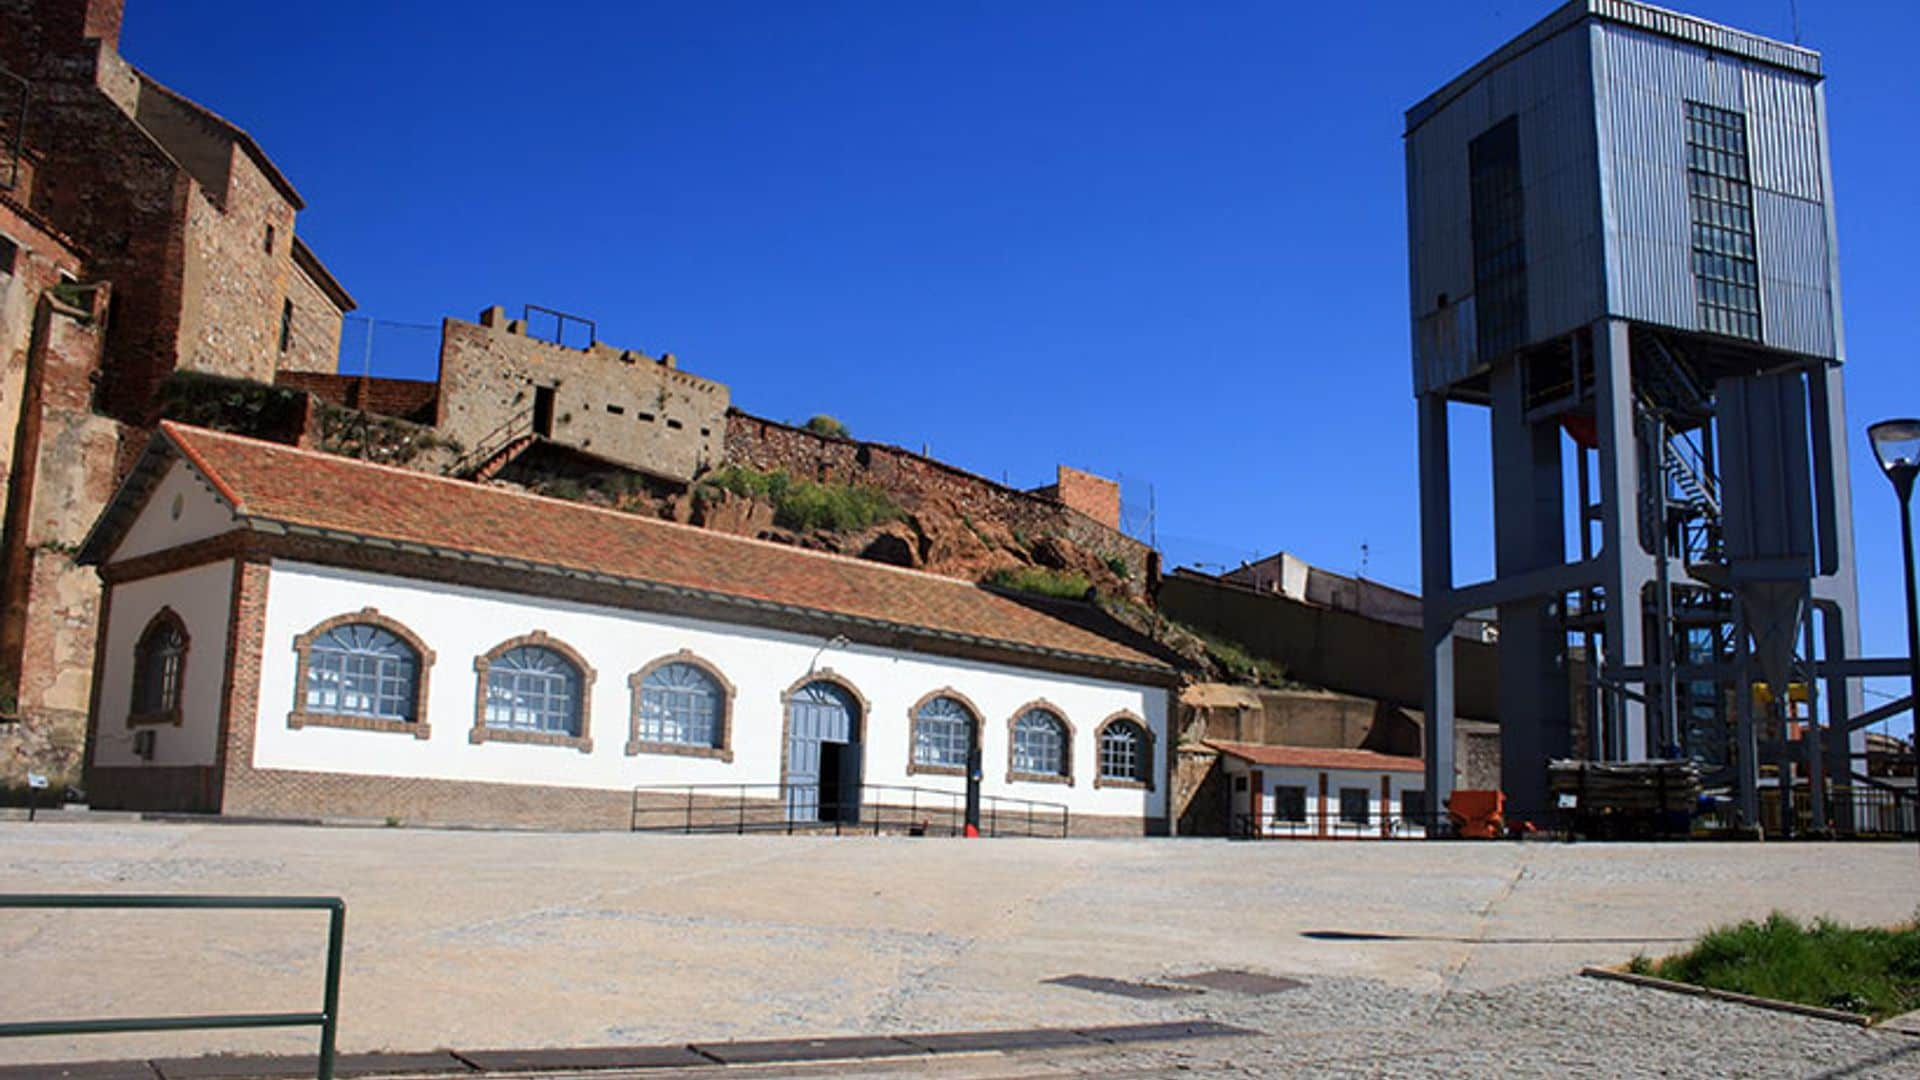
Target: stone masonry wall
x=235 y=290
x=314 y=344
x=111 y=188
x=916 y=481
x=624 y=406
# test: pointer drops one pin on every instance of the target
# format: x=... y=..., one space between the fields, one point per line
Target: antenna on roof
x=1794 y=7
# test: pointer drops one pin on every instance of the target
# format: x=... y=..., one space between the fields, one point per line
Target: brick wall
x=915 y=481
x=624 y=406
x=407 y=399
x=1095 y=496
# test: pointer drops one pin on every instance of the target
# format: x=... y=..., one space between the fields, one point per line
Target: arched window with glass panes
x=1126 y=753
x=1041 y=745
x=533 y=689
x=681 y=705
x=942 y=733
x=359 y=669
x=159 y=670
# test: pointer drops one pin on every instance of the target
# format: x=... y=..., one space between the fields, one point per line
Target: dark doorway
x=543 y=411
x=836 y=800
x=823 y=755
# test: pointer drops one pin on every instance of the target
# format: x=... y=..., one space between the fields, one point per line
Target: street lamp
x=1897 y=444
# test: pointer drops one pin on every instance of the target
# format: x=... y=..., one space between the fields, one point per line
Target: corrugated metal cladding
x=1601 y=87
x=1796 y=293
x=1642 y=83
x=1547 y=88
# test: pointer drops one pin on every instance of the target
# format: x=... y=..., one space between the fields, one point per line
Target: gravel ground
x=1419 y=959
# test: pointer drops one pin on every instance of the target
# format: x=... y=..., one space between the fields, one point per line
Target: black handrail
x=327 y=1019
x=743 y=808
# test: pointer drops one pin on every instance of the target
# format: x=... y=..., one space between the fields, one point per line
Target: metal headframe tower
x=1622 y=245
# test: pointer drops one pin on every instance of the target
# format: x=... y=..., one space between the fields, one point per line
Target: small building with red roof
x=288 y=634
x=1323 y=792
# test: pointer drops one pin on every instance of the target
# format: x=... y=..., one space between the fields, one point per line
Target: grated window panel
x=1726 y=268
x=1355 y=806
x=530 y=688
x=1289 y=804
x=1499 y=240
x=1039 y=744
x=680 y=703
x=942 y=733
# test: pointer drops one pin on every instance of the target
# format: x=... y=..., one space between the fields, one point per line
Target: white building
x=1317 y=792
x=295 y=635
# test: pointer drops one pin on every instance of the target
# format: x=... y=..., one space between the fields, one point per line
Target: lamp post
x=1897 y=444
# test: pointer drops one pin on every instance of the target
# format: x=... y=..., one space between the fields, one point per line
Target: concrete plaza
x=523 y=939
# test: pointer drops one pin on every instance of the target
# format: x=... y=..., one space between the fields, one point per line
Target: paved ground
x=1419 y=959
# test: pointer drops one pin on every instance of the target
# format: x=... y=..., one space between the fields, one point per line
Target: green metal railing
x=327 y=1019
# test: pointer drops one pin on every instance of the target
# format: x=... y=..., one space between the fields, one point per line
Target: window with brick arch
x=1123 y=752
x=362 y=670
x=1040 y=744
x=681 y=705
x=942 y=733
x=533 y=688
x=159 y=667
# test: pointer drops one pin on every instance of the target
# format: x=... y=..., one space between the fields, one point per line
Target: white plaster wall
x=203 y=598
x=460 y=624
x=200 y=514
x=1273 y=778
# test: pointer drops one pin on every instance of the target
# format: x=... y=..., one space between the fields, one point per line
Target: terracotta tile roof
x=1314 y=757
x=286 y=486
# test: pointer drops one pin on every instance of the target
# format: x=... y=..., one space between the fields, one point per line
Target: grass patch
x=1042 y=581
x=805 y=504
x=1868 y=970
x=829 y=426
x=1242 y=666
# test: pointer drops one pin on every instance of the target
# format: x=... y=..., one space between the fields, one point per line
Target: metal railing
x=1333 y=825
x=878 y=809
x=1859 y=812
x=515 y=427
x=327 y=1019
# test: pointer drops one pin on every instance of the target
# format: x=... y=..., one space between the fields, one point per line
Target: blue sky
x=1162 y=242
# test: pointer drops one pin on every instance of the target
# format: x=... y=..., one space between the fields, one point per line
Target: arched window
x=159 y=670
x=1039 y=744
x=535 y=689
x=1125 y=752
x=942 y=733
x=681 y=704
x=358 y=669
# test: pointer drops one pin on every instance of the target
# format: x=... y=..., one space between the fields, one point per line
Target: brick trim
x=212 y=549
x=87 y=766
x=481 y=733
x=1100 y=780
x=301 y=717
x=169 y=716
x=862 y=707
x=233 y=769
x=913 y=732
x=1014 y=775
x=635 y=683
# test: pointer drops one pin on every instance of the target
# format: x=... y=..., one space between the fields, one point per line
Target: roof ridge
x=174 y=429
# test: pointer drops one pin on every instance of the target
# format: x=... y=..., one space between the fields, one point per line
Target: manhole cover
x=1120 y=987
x=1251 y=983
